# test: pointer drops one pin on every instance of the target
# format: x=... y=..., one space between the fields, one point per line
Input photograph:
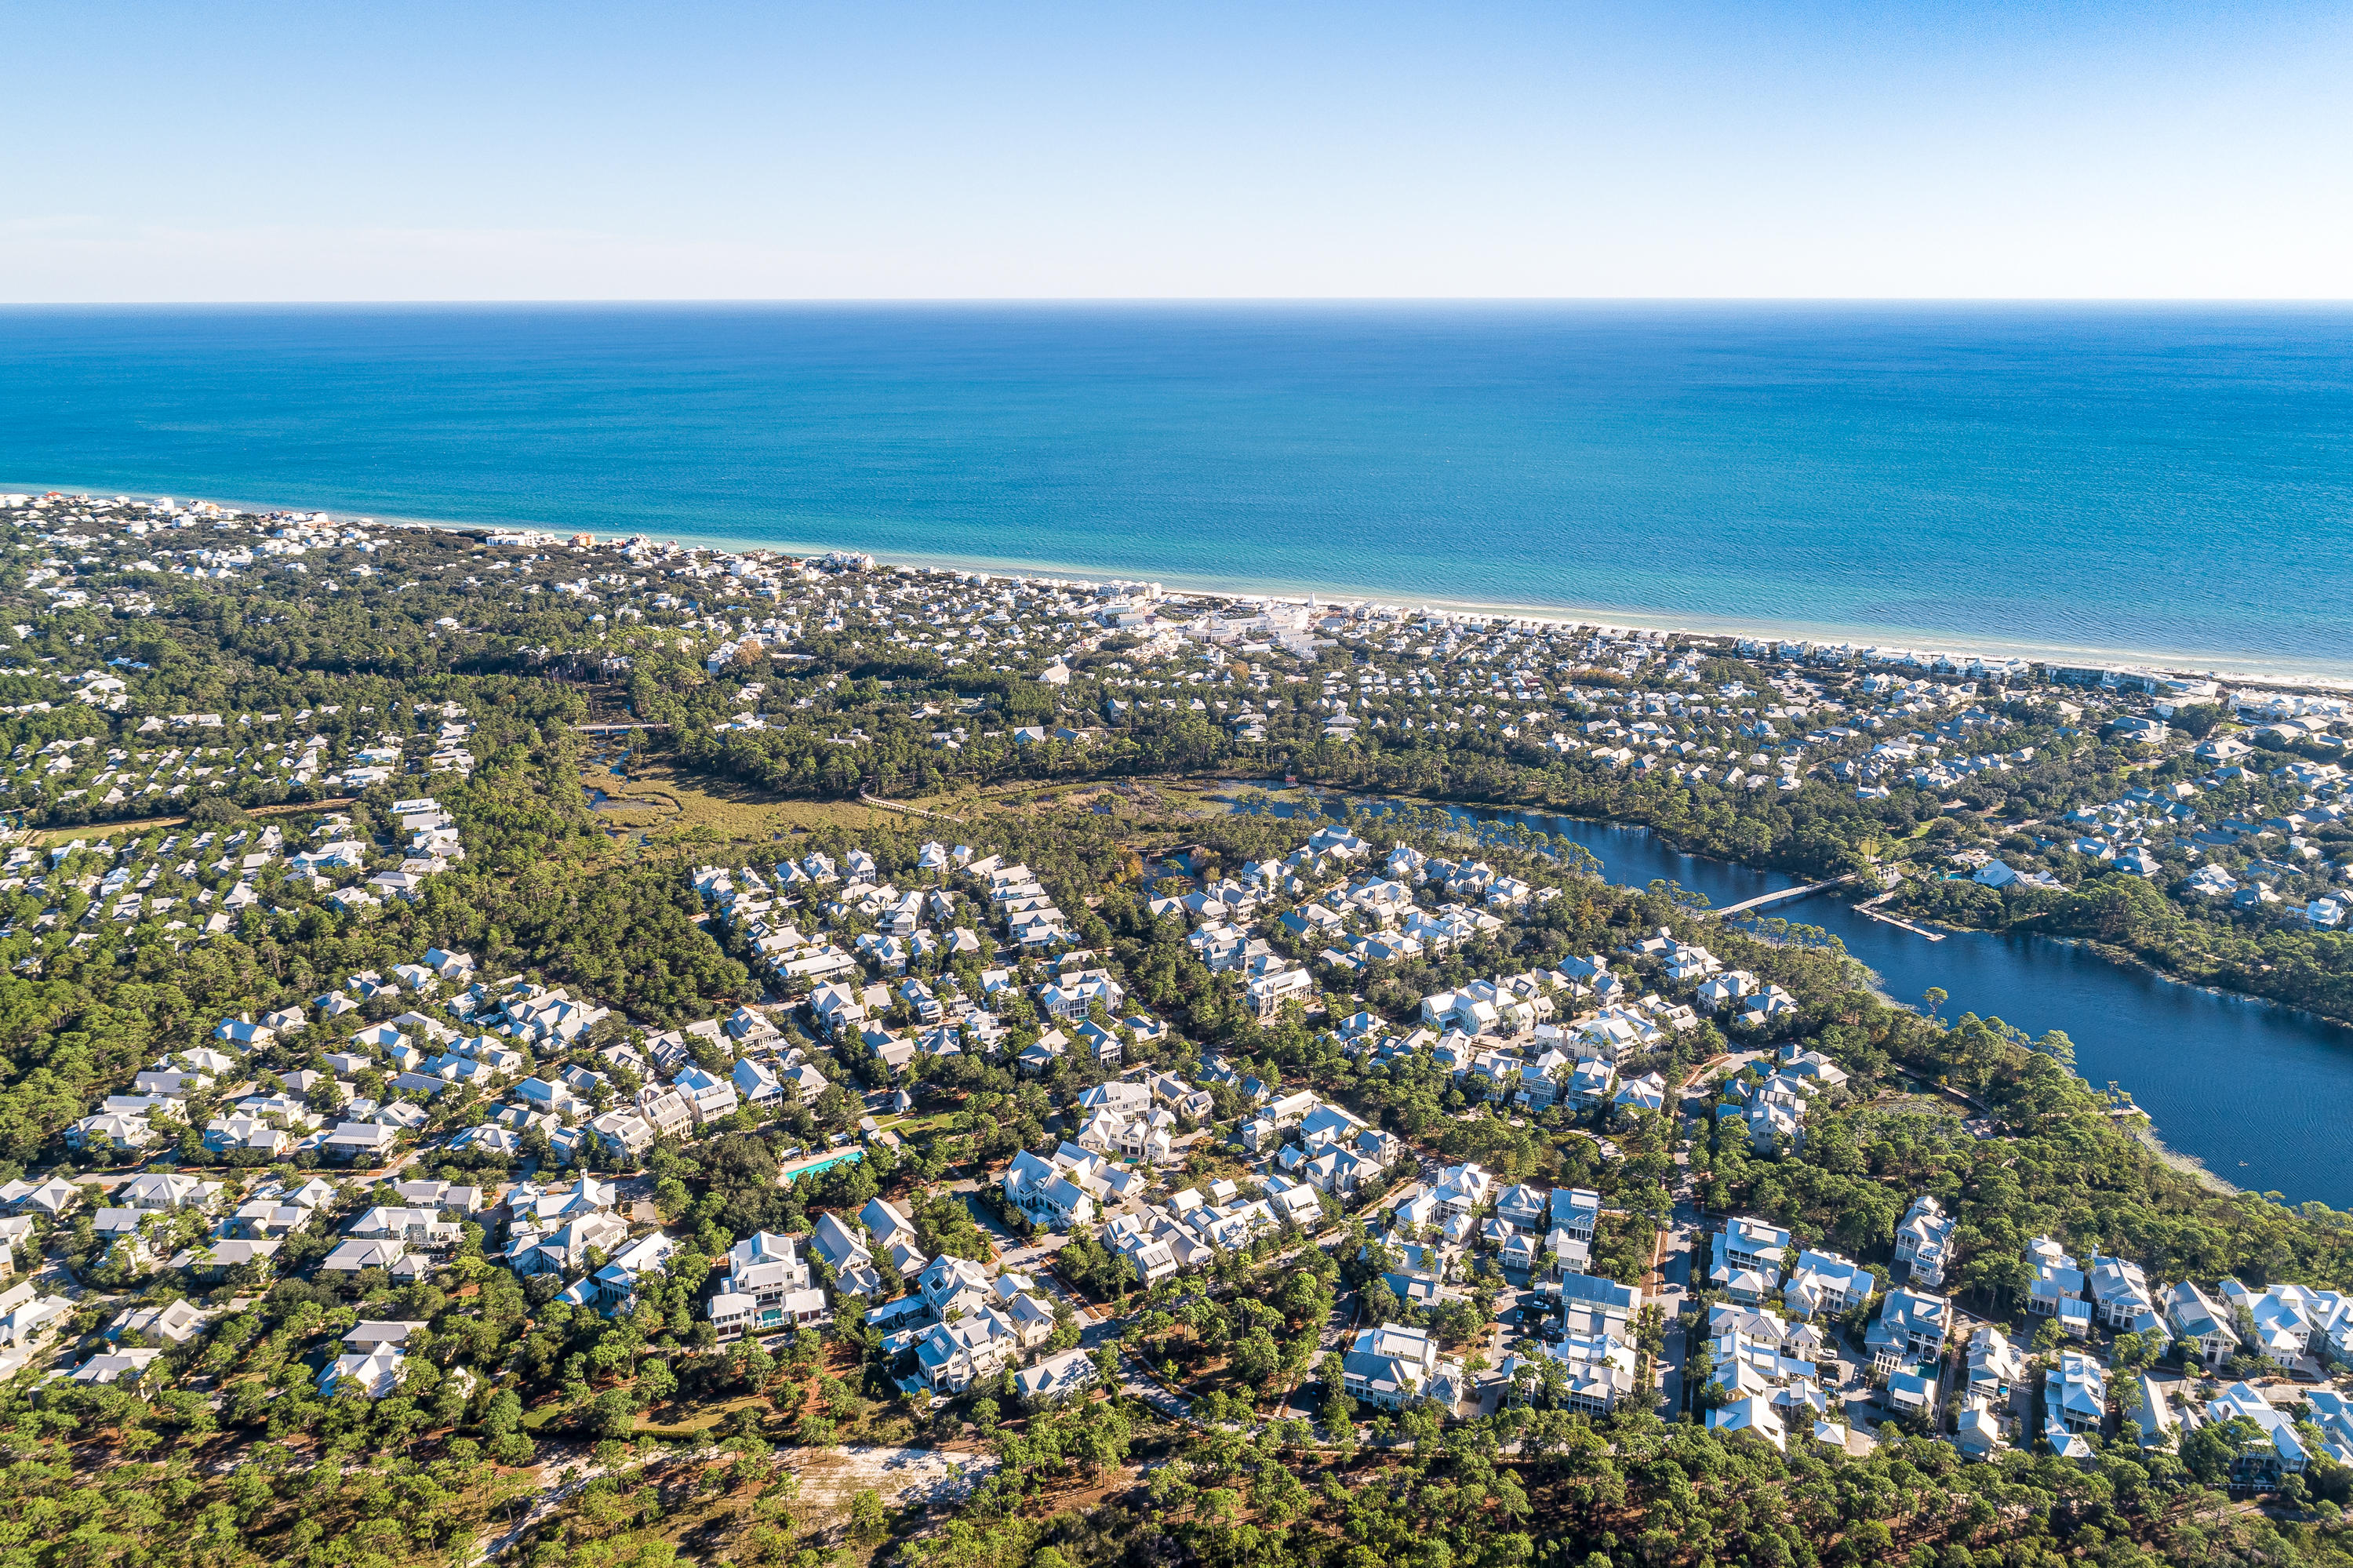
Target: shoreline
x=2110 y=953
x=2210 y=665
x=2181 y=1164
x=2141 y=1125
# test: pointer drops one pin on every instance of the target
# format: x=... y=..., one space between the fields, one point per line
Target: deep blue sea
x=2172 y=481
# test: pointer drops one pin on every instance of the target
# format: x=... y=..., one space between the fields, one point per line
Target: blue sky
x=702 y=150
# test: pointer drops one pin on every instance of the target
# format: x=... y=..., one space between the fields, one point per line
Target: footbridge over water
x=1762 y=899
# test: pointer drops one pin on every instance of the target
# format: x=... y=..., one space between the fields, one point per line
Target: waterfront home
x=1798 y=1062
x=2282 y=1317
x=1725 y=991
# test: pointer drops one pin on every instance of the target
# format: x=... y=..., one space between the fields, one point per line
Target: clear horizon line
x=2247 y=302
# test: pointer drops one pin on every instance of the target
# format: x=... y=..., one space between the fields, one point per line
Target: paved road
x=1012 y=1252
x=1675 y=1266
x=1097 y=1329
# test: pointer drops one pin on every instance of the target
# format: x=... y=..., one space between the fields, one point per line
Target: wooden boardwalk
x=878 y=801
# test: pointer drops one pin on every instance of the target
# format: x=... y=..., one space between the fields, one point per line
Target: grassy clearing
x=704 y=1418
x=1188 y=797
x=42 y=838
x=659 y=798
x=1123 y=797
x=920 y=1125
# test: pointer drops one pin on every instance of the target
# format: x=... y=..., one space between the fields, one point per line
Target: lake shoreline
x=2189 y=663
x=2143 y=1127
x=2182 y=1164
x=2123 y=957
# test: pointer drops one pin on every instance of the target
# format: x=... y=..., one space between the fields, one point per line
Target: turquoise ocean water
x=2169 y=481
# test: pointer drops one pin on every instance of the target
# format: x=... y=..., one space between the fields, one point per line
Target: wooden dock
x=1870 y=907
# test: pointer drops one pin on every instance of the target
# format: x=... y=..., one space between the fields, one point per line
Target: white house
x=1924 y=1239
x=1043 y=1192
x=1390 y=1366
